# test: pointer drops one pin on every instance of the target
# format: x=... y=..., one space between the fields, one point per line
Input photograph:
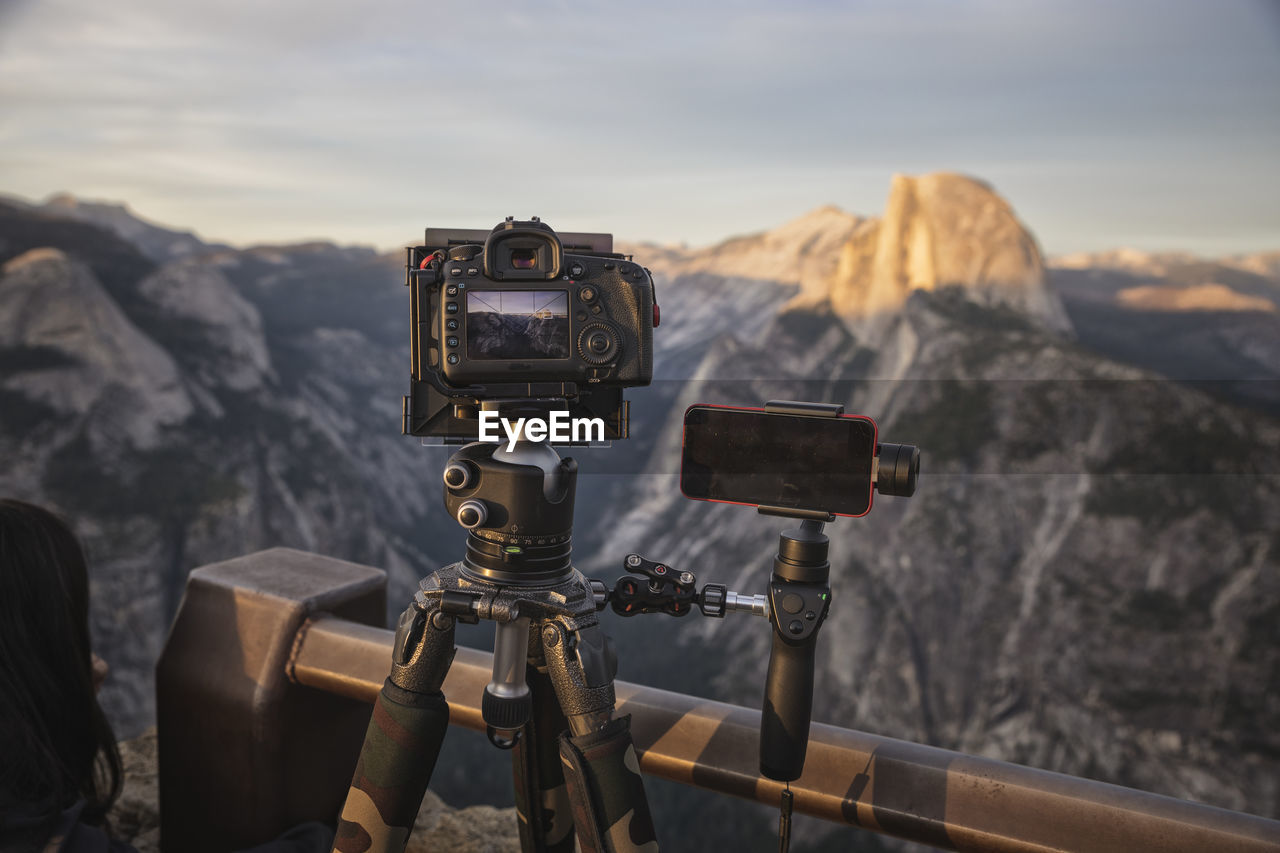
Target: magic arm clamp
x=664 y=589
x=796 y=605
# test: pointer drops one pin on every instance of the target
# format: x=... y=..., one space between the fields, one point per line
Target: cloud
x=671 y=121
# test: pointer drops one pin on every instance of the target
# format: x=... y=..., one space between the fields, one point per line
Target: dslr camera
x=519 y=316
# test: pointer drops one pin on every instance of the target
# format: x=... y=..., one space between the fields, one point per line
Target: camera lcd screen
x=517 y=324
x=753 y=457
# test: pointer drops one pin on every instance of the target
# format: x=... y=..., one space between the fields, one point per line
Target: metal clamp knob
x=459 y=475
x=472 y=514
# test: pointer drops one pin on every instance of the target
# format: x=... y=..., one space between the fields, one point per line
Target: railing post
x=244 y=752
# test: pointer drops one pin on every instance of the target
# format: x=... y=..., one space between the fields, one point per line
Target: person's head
x=57 y=745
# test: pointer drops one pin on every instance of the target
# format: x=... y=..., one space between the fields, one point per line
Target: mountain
x=1211 y=323
x=1086 y=579
x=938 y=231
x=187 y=412
x=83 y=354
x=155 y=241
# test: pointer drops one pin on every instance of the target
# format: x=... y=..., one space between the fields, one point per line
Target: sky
x=1154 y=125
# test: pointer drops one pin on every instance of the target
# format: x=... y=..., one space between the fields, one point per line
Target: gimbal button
x=796 y=626
x=792 y=603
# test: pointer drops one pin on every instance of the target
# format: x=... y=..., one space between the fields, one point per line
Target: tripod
x=551 y=699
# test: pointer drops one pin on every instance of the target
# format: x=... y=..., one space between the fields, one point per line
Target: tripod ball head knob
x=472 y=514
x=459 y=475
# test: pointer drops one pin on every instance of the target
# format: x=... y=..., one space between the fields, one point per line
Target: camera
x=521 y=313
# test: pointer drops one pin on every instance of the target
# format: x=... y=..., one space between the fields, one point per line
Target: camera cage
x=434 y=408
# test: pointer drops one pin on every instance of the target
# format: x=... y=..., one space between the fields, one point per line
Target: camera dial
x=597 y=344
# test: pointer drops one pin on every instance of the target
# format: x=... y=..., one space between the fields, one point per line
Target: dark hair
x=56 y=745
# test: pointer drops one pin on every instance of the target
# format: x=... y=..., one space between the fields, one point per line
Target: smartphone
x=758 y=458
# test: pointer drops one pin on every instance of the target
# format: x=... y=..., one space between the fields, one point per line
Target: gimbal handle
x=799 y=599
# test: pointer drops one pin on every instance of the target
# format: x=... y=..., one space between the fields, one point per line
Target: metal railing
x=299 y=648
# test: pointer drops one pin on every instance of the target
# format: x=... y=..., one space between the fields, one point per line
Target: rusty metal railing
x=920 y=793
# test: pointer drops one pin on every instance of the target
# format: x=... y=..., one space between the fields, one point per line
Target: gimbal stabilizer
x=796 y=603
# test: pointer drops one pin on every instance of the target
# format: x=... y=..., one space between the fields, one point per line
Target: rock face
x=96 y=360
x=938 y=231
x=230 y=326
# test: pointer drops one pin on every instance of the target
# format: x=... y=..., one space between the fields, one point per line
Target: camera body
x=521 y=312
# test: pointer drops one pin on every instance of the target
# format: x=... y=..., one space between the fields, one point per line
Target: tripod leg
x=542 y=801
x=404 y=736
x=601 y=771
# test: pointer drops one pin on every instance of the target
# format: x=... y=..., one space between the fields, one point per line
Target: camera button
x=608 y=265
x=456 y=271
x=451 y=341
x=581 y=316
x=451 y=307
x=595 y=309
x=472 y=271
x=451 y=325
x=451 y=290
x=587 y=294
x=453 y=358
x=577 y=270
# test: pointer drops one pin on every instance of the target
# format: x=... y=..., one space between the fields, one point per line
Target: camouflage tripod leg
x=601 y=770
x=403 y=741
x=542 y=801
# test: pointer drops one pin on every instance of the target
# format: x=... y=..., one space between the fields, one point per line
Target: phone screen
x=749 y=456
